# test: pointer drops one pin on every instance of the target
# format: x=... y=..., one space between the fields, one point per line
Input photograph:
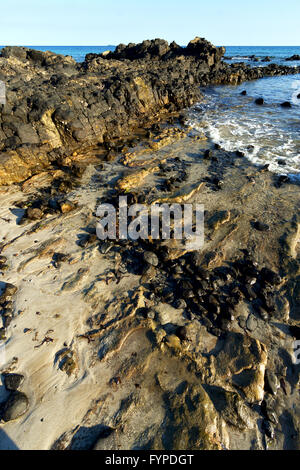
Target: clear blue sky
x=102 y=22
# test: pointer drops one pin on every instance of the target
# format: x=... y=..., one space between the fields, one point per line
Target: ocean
x=266 y=134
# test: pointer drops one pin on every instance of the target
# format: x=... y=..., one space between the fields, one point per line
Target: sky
x=103 y=22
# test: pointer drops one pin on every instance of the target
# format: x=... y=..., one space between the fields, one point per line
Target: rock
x=232 y=408
x=150 y=258
x=106 y=247
x=293 y=57
x=281 y=180
x=242 y=361
x=9 y=291
x=269 y=429
x=2 y=334
x=173 y=342
x=68 y=364
x=244 y=93
x=149 y=273
x=207 y=154
x=34 y=213
x=251 y=323
x=13 y=382
x=298 y=96
x=270 y=277
x=151 y=314
x=13 y=51
x=261 y=227
x=269 y=408
x=183 y=333
x=295 y=331
x=132 y=85
x=258 y=307
x=259 y=101
x=15 y=407
x=286 y=104
x=66 y=207
x=271 y=382
x=7 y=320
x=180 y=304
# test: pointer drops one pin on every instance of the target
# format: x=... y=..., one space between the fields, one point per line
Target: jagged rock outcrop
x=55 y=106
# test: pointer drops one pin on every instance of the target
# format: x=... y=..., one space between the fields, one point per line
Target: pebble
x=151 y=258
x=251 y=323
x=259 y=101
x=2 y=334
x=13 y=381
x=261 y=227
x=151 y=314
x=66 y=207
x=242 y=321
x=15 y=407
x=34 y=213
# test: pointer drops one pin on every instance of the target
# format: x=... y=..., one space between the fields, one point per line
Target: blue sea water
x=277 y=54
x=266 y=134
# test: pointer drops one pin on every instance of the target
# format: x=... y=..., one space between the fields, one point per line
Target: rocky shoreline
x=142 y=345
x=56 y=107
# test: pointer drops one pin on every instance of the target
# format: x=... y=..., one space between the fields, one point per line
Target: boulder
x=242 y=362
x=293 y=57
x=14 y=51
x=286 y=104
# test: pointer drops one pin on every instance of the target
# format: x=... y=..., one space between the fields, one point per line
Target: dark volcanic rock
x=259 y=101
x=15 y=407
x=286 y=104
x=293 y=57
x=260 y=226
x=13 y=381
x=8 y=291
x=56 y=106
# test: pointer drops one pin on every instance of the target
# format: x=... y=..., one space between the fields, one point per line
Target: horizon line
x=115 y=45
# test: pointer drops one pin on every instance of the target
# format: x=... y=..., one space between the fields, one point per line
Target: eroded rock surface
x=55 y=106
x=148 y=345
x=140 y=344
